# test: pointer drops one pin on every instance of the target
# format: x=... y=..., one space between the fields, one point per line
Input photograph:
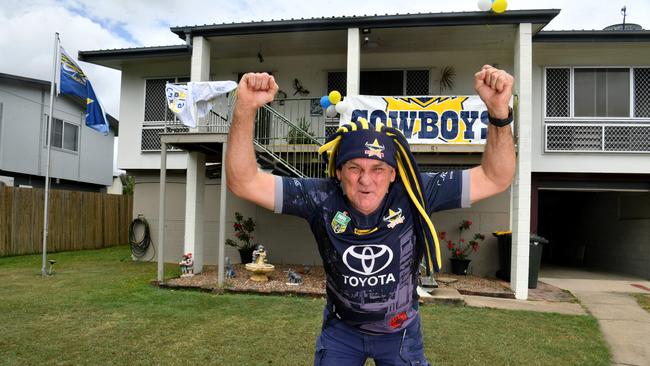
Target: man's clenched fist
x=494 y=86
x=256 y=90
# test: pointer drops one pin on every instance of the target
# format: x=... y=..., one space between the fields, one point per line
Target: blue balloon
x=325 y=101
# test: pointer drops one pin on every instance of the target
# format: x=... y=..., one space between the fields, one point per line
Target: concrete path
x=452 y=296
x=513 y=304
x=624 y=324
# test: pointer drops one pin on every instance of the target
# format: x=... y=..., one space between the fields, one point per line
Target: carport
x=593 y=221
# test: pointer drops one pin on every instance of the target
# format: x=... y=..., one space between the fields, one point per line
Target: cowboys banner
x=460 y=120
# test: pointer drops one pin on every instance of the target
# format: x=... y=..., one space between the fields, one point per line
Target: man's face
x=365 y=182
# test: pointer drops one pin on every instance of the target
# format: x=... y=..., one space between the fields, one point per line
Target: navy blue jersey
x=371 y=262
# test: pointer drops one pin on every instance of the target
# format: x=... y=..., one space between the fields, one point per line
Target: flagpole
x=49 y=134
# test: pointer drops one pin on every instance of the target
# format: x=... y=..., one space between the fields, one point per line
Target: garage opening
x=595 y=230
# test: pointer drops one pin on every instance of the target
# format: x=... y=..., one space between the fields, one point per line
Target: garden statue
x=259 y=255
x=230 y=272
x=293 y=278
x=259 y=267
x=187 y=265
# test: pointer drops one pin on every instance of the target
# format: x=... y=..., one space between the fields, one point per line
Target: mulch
x=314 y=284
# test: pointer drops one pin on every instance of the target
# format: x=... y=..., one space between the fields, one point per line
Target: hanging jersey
x=371 y=262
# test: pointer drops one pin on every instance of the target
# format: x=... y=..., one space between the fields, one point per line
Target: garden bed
x=314 y=283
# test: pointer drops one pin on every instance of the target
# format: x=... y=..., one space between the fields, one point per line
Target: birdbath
x=259 y=267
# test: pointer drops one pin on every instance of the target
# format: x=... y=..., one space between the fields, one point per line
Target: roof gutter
x=144 y=52
x=591 y=36
x=384 y=21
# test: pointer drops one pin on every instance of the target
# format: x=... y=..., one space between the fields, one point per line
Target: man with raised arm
x=371 y=217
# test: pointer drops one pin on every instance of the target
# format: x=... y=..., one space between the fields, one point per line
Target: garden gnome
x=187 y=265
x=230 y=272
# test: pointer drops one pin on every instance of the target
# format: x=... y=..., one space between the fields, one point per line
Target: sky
x=27 y=27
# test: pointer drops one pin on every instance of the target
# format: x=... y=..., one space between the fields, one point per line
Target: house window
x=557 y=92
x=157 y=117
x=64 y=135
x=600 y=92
x=384 y=82
x=155 y=101
x=337 y=80
x=417 y=82
x=597 y=109
x=642 y=92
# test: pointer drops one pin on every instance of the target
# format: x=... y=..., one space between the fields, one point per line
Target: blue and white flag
x=73 y=81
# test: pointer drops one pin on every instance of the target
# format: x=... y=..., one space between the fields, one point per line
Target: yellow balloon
x=499 y=6
x=335 y=96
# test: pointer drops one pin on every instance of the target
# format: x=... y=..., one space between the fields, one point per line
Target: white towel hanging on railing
x=194 y=100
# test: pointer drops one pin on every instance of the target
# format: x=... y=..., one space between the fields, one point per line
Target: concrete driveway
x=625 y=325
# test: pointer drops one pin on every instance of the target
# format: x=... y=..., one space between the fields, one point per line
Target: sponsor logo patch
x=367 y=259
x=340 y=222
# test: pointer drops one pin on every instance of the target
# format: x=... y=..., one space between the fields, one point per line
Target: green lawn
x=99 y=309
x=644 y=301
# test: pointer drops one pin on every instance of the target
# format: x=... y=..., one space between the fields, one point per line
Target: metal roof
x=592 y=36
x=135 y=52
x=541 y=16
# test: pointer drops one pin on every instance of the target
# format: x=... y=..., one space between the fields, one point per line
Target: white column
x=194 y=195
x=195 y=184
x=354 y=61
x=221 y=262
x=161 y=213
x=200 y=59
x=521 y=187
x=200 y=67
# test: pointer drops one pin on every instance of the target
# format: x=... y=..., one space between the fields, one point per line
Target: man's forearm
x=241 y=166
x=498 y=161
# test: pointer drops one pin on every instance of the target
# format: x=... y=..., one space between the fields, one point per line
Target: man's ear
x=392 y=174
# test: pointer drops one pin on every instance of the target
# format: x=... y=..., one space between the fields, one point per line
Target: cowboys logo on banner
x=461 y=120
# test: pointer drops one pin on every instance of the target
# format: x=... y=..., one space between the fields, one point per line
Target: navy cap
x=366 y=143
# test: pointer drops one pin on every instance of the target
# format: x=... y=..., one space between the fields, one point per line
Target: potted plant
x=461 y=250
x=243 y=232
x=296 y=136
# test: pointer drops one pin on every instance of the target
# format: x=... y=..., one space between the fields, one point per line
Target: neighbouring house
x=81 y=158
x=582 y=112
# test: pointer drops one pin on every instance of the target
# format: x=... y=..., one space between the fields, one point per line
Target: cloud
x=27 y=39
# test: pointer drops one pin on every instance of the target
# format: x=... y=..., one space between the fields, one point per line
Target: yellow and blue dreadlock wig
x=388 y=144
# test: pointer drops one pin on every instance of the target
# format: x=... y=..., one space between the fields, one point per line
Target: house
x=581 y=111
x=81 y=159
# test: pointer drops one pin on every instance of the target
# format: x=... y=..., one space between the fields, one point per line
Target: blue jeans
x=342 y=345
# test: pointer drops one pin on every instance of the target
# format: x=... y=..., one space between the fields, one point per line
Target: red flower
x=469 y=222
x=450 y=245
x=443 y=235
x=462 y=240
x=458 y=252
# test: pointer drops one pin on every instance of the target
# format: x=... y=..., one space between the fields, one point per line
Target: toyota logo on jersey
x=367 y=259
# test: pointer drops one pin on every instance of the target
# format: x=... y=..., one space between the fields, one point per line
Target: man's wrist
x=500 y=119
